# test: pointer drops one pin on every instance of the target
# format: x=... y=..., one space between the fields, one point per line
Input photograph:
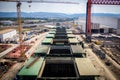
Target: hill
x=52 y=15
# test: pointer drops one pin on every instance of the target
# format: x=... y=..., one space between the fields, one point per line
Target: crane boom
x=41 y=1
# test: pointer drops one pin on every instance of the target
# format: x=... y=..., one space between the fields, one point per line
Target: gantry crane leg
x=88 y=21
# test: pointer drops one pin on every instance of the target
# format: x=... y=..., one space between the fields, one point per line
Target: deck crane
x=88 y=15
x=23 y=57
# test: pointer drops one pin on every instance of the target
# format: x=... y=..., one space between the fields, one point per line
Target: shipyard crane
x=88 y=15
x=23 y=57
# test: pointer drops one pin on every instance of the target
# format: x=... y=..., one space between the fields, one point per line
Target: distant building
x=95 y=27
x=112 y=22
x=6 y=23
x=118 y=29
x=29 y=25
x=118 y=23
x=31 y=21
x=101 y=24
x=7 y=34
x=104 y=29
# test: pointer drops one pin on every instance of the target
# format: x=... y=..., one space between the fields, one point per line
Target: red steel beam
x=88 y=21
x=106 y=2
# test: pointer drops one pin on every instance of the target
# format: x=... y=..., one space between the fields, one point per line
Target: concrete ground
x=35 y=44
x=105 y=73
x=11 y=73
x=8 y=50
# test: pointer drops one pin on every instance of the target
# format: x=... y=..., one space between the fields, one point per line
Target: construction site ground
x=106 y=72
x=11 y=73
x=111 y=47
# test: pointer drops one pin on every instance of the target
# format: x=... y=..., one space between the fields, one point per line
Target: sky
x=59 y=8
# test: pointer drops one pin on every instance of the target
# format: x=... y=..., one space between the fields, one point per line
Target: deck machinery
x=59 y=57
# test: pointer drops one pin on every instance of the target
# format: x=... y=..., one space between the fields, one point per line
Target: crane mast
x=20 y=28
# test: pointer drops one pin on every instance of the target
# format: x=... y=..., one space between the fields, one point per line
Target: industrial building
x=7 y=22
x=59 y=57
x=7 y=34
x=118 y=29
x=103 y=22
x=118 y=23
x=31 y=21
x=97 y=28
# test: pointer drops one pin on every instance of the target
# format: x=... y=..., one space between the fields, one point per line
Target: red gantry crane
x=88 y=15
x=23 y=57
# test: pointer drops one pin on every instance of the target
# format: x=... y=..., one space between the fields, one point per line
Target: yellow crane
x=23 y=57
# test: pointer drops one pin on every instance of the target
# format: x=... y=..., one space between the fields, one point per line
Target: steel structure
x=88 y=15
x=106 y=2
x=41 y=1
x=19 y=26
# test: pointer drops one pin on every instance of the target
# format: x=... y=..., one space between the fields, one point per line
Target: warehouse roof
x=85 y=67
x=77 y=49
x=6 y=31
x=50 y=36
x=47 y=40
x=73 y=40
x=33 y=69
x=70 y=35
x=52 y=29
x=43 y=49
x=52 y=32
x=69 y=32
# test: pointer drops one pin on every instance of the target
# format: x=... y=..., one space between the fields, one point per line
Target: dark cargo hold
x=59 y=69
x=60 y=50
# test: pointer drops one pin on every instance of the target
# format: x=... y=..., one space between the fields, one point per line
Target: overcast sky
x=59 y=8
